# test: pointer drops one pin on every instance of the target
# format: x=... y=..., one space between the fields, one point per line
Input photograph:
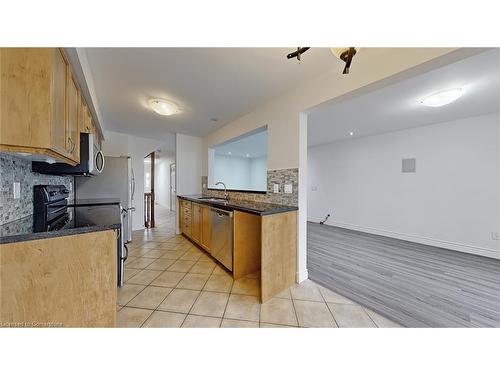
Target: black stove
x=50 y=211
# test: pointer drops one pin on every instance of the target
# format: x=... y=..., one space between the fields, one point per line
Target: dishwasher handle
x=221 y=213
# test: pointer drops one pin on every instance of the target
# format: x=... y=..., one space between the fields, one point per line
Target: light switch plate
x=17 y=190
x=288 y=188
x=276 y=188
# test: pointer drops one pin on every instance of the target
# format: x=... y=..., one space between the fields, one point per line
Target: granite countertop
x=252 y=207
x=80 y=219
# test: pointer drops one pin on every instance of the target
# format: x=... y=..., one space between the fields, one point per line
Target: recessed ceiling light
x=163 y=107
x=351 y=133
x=248 y=155
x=229 y=152
x=442 y=97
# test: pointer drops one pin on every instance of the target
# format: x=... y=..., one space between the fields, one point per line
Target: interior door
x=173 y=197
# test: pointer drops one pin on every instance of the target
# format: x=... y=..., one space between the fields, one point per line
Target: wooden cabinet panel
x=42 y=110
x=58 y=120
x=185 y=217
x=247 y=244
x=206 y=227
x=81 y=116
x=278 y=253
x=196 y=223
x=25 y=86
x=65 y=281
x=72 y=133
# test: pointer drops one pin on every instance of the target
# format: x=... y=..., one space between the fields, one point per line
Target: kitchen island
x=263 y=238
x=63 y=276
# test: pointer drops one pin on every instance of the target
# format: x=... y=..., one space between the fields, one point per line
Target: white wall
x=118 y=144
x=162 y=181
x=188 y=159
x=233 y=171
x=287 y=128
x=258 y=173
x=451 y=201
x=188 y=164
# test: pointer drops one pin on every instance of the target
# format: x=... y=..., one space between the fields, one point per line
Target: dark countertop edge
x=57 y=233
x=277 y=210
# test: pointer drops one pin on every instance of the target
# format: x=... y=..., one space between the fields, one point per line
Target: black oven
x=50 y=211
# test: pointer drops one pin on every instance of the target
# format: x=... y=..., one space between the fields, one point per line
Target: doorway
x=149 y=191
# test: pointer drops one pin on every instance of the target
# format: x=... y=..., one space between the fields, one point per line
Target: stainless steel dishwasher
x=222 y=237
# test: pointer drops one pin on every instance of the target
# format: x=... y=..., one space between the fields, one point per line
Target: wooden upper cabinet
x=86 y=125
x=196 y=223
x=206 y=227
x=57 y=126
x=26 y=84
x=42 y=110
x=82 y=107
x=72 y=131
x=33 y=102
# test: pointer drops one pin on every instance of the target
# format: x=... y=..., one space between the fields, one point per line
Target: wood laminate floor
x=412 y=284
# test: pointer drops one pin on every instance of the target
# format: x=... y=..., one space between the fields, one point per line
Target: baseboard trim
x=302 y=275
x=464 y=248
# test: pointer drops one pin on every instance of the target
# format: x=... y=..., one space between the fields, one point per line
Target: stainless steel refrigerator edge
x=117 y=180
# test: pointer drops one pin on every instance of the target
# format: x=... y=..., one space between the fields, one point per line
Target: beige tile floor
x=172 y=283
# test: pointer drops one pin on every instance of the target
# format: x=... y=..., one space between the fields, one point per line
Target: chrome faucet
x=226 y=196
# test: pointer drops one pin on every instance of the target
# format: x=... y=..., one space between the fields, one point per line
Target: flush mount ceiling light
x=163 y=107
x=351 y=133
x=442 y=97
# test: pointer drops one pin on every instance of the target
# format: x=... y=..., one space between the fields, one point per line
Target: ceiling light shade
x=339 y=51
x=163 y=107
x=442 y=97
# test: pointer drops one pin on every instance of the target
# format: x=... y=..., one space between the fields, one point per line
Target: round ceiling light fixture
x=442 y=97
x=164 y=107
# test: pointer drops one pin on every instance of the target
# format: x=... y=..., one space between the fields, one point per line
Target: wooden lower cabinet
x=196 y=223
x=206 y=227
x=185 y=217
x=65 y=281
x=278 y=253
x=265 y=244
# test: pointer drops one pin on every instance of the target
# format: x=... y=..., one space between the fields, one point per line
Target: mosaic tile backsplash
x=16 y=169
x=279 y=176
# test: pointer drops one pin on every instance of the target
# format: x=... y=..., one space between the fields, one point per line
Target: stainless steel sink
x=213 y=199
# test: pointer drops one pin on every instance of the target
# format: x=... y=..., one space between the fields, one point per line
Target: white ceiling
x=220 y=83
x=254 y=145
x=397 y=106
